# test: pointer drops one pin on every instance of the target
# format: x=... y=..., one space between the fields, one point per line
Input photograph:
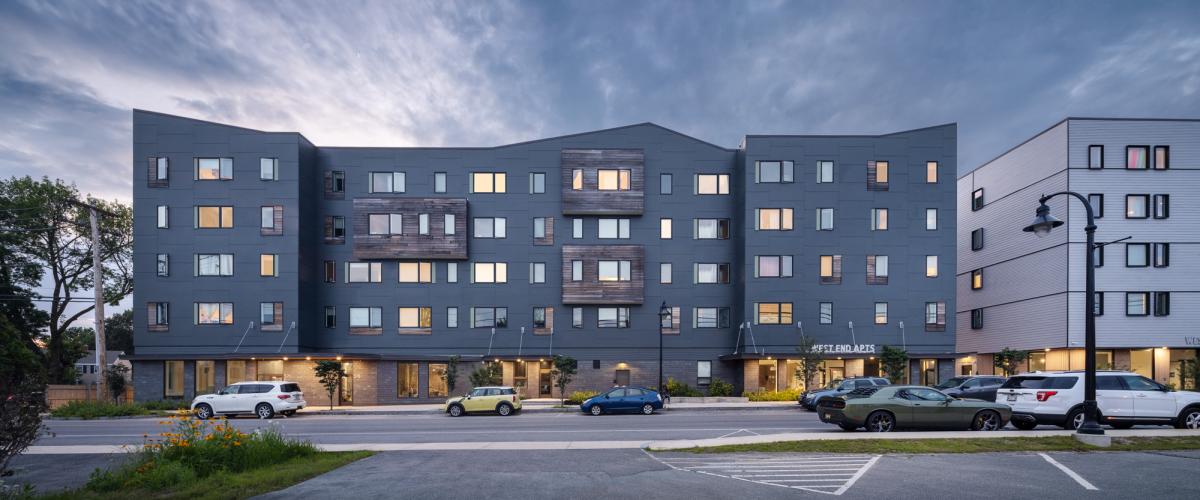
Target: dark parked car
x=884 y=409
x=975 y=387
x=810 y=399
x=624 y=399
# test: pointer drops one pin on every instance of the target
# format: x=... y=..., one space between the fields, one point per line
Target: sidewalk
x=537 y=406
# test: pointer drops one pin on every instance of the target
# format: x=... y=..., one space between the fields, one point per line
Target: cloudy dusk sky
x=444 y=73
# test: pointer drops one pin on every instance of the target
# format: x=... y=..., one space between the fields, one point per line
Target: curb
x=125 y=417
x=542 y=410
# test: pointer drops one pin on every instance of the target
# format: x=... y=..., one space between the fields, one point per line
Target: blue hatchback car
x=624 y=399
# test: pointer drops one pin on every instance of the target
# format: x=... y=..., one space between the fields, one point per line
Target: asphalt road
x=436 y=428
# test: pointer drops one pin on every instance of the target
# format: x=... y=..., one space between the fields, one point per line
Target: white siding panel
x=1003 y=221
x=1115 y=329
x=1182 y=136
x=1034 y=275
x=1031 y=324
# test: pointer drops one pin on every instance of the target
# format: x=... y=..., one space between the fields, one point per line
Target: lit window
x=977 y=279
x=773 y=313
x=415 y=317
x=489 y=182
x=773 y=219
x=490 y=272
x=612 y=180
x=214 y=169
x=879 y=219
x=214 y=217
x=416 y=272
x=268 y=265
x=387 y=182
x=881 y=313
x=1162 y=157
x=1136 y=157
x=931 y=172
x=664 y=228
x=577 y=179
x=1137 y=206
x=712 y=183
x=931 y=266
x=881 y=172
x=214 y=313
x=831 y=269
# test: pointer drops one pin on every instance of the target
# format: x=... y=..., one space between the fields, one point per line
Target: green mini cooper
x=884 y=409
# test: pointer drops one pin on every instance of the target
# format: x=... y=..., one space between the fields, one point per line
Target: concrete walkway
x=537 y=405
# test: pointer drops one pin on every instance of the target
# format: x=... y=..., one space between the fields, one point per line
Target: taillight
x=514 y=398
x=283 y=396
x=1044 y=395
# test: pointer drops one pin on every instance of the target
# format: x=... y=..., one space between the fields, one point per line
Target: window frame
x=976 y=278
x=666 y=184
x=1145 y=157
x=875 y=317
x=785 y=171
x=272 y=173
x=162 y=265
x=537 y=183
x=537 y=272
x=424 y=271
x=879 y=219
x=622 y=228
x=621 y=317
x=1166 y=163
x=977 y=319
x=498 y=182
x=274 y=266
x=721 y=185
x=934 y=212
x=784 y=265
x=1130 y=248
x=821 y=219
x=439 y=182
x=1145 y=303
x=221 y=312
x=496 y=229
x=624 y=179
x=821 y=164
x=1099 y=164
x=223 y=173
x=784 y=216
x=1145 y=206
x=1165 y=206
x=1098 y=205
x=936 y=267
x=779 y=313
x=499 y=317
x=931 y=167
x=721 y=273
x=224 y=216
x=977 y=243
x=374 y=271
x=1160 y=255
x=823 y=317
x=977 y=202
x=224 y=260
x=1162 y=303
x=665 y=272
x=374 y=317
x=720 y=229
x=391 y=182
x=498 y=272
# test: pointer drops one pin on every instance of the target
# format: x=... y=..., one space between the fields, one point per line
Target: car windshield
x=954 y=382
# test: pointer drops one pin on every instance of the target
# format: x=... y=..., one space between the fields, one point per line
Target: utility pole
x=98 y=286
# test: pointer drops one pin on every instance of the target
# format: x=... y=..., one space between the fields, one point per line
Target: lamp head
x=664 y=312
x=1043 y=222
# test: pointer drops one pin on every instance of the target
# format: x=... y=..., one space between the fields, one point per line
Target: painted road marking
x=830 y=475
x=1070 y=473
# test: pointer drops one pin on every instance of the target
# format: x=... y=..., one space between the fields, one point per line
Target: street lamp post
x=664 y=318
x=1041 y=226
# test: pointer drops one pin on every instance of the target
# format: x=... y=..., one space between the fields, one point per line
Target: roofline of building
x=870 y=136
x=1074 y=118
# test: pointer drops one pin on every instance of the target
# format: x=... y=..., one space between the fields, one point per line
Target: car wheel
x=504 y=409
x=203 y=411
x=986 y=420
x=264 y=410
x=647 y=409
x=1025 y=426
x=1074 y=419
x=596 y=410
x=456 y=411
x=848 y=427
x=1189 y=419
x=881 y=421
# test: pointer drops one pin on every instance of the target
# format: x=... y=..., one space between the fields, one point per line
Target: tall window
x=976 y=319
x=268 y=169
x=773 y=219
x=577 y=228
x=163 y=218
x=931 y=219
x=337 y=182
x=824 y=172
x=489 y=272
x=824 y=219
x=612 y=180
x=537 y=272
x=330 y=271
x=712 y=273
x=407 y=381
x=577 y=317
x=703 y=372
x=489 y=317
x=577 y=179
x=271 y=220
x=877 y=269
x=268 y=265
x=214 y=217
x=387 y=182
x=452 y=317
x=1096 y=201
x=366 y=317
x=773 y=266
x=160 y=172
x=448 y=221
x=422 y=223
x=1136 y=157
x=330 y=317
x=451 y=272
x=213 y=264
x=931 y=172
x=163 y=264
x=1137 y=206
x=489 y=182
x=213 y=313
x=825 y=313
x=490 y=227
x=977 y=199
x=831 y=269
x=543 y=316
x=577 y=270
x=612 y=317
x=878 y=175
x=385 y=224
x=773 y=171
x=1162 y=206
x=1162 y=303
x=614 y=270
x=664 y=184
x=439 y=182
x=931 y=266
x=415 y=317
x=213 y=169
x=664 y=273
x=881 y=313
x=539 y=227
x=364 y=272
x=935 y=316
x=1162 y=157
x=1098 y=256
x=977 y=279
x=436 y=386
x=1137 y=254
x=1095 y=156
x=173 y=379
x=773 y=313
x=416 y=272
x=712 y=183
x=158 y=318
x=270 y=315
x=337 y=226
x=537 y=182
x=879 y=219
x=977 y=239
x=1137 y=304
x=710 y=317
x=664 y=228
x=612 y=229
x=711 y=229
x=1099 y=303
x=1161 y=253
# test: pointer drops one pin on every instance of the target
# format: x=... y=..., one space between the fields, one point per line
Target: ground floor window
x=766 y=375
x=235 y=371
x=703 y=372
x=1037 y=361
x=1185 y=370
x=929 y=372
x=346 y=389
x=206 y=377
x=437 y=380
x=520 y=375
x=173 y=379
x=1141 y=362
x=269 y=370
x=621 y=377
x=407 y=380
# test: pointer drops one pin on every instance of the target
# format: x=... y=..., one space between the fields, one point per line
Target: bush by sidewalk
x=578 y=397
x=98 y=409
x=786 y=395
x=720 y=388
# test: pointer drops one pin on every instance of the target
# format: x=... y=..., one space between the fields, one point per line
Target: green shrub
x=578 y=397
x=785 y=395
x=165 y=404
x=720 y=388
x=96 y=409
x=679 y=389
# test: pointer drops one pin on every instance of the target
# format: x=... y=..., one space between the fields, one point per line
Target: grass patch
x=981 y=445
x=88 y=410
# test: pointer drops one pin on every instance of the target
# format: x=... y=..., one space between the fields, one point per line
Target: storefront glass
x=1141 y=362
x=206 y=377
x=929 y=374
x=235 y=371
x=1037 y=361
x=346 y=390
x=766 y=374
x=407 y=380
x=437 y=380
x=269 y=370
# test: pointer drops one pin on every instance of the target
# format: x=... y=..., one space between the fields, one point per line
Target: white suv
x=1124 y=399
x=262 y=399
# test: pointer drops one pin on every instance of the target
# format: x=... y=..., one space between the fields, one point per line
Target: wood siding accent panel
x=278 y=326
x=590 y=290
x=329 y=193
x=409 y=244
x=330 y=239
x=152 y=179
x=276 y=223
x=150 y=325
x=591 y=201
x=676 y=312
x=365 y=330
x=549 y=239
x=549 y=328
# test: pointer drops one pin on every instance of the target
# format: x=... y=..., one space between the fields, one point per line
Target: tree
x=118 y=331
x=56 y=237
x=894 y=362
x=809 y=359
x=22 y=394
x=330 y=374
x=77 y=342
x=1009 y=360
x=565 y=367
x=114 y=376
x=488 y=374
x=451 y=375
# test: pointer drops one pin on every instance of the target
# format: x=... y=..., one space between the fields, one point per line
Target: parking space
x=831 y=474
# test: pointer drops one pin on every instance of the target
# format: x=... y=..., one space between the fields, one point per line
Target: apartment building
x=257 y=253
x=1025 y=293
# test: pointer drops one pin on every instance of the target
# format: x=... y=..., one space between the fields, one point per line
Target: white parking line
x=1070 y=473
x=830 y=475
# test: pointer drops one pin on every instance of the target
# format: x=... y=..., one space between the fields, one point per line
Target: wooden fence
x=58 y=395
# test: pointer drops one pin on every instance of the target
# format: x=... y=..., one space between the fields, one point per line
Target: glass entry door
x=346 y=388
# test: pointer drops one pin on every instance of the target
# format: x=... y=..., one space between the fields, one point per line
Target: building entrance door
x=836 y=373
x=545 y=380
x=346 y=387
x=621 y=378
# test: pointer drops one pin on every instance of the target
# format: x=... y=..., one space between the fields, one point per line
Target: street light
x=664 y=319
x=1041 y=226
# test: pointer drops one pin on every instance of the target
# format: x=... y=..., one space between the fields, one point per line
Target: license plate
x=1012 y=397
x=828 y=416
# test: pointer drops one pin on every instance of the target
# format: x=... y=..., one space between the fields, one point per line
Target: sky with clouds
x=443 y=73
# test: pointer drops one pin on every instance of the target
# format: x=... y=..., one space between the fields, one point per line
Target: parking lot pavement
x=832 y=474
x=51 y=473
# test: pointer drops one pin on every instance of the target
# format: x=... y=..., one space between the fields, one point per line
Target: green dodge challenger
x=887 y=408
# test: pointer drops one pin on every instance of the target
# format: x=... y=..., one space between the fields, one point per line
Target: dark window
x=976 y=319
x=158 y=173
x=1037 y=382
x=977 y=199
x=330 y=271
x=489 y=317
x=289 y=388
x=577 y=317
x=977 y=239
x=339 y=226
x=1099 y=303
x=1109 y=383
x=163 y=264
x=1095 y=156
x=595 y=364
x=1162 y=206
x=338 y=184
x=773 y=171
x=1162 y=157
x=1161 y=253
x=330 y=316
x=1137 y=304
x=537 y=182
x=1162 y=303
x=1097 y=202
x=1098 y=256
